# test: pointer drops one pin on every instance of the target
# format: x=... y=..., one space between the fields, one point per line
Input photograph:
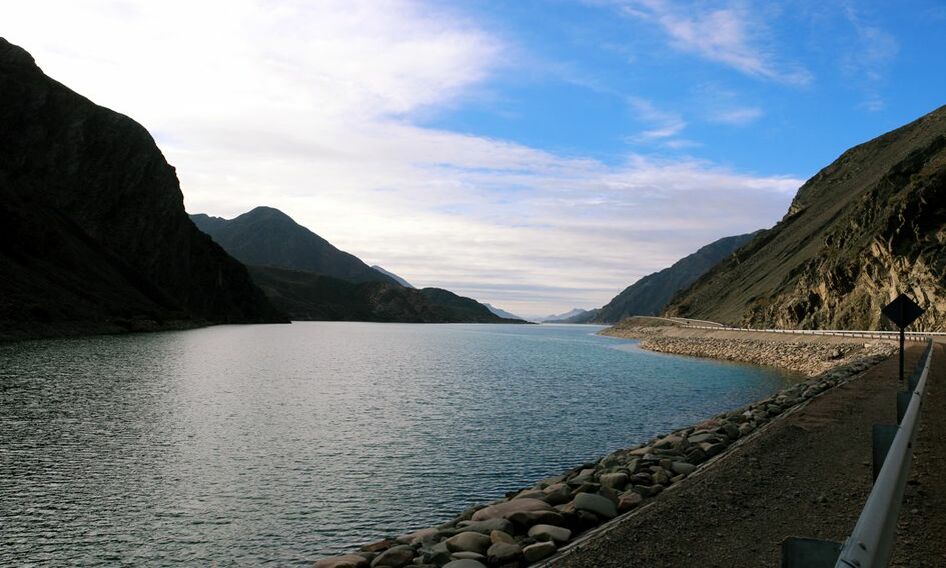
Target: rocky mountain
x=574 y=315
x=651 y=294
x=394 y=277
x=93 y=233
x=867 y=227
x=308 y=296
x=501 y=312
x=268 y=237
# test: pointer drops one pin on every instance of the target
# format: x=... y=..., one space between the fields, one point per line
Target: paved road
x=807 y=475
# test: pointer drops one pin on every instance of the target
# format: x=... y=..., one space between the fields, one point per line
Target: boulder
x=468 y=541
x=538 y=551
x=682 y=467
x=379 y=546
x=507 y=508
x=596 y=504
x=629 y=500
x=344 y=561
x=549 y=532
x=501 y=536
x=614 y=480
x=486 y=526
x=503 y=552
x=394 y=557
x=464 y=563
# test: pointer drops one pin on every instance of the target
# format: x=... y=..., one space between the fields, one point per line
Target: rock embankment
x=809 y=357
x=532 y=524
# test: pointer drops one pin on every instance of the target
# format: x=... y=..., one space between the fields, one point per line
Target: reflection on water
x=249 y=445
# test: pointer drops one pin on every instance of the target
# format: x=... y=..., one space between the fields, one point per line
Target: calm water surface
x=252 y=445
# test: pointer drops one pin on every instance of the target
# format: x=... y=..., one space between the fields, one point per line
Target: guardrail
x=910 y=336
x=871 y=542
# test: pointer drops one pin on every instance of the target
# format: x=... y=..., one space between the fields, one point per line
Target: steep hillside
x=865 y=228
x=392 y=276
x=268 y=237
x=651 y=294
x=501 y=312
x=93 y=233
x=307 y=296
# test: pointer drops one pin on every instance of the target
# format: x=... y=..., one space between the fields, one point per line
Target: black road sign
x=903 y=311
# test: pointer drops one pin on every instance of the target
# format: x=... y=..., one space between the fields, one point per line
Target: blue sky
x=534 y=155
x=784 y=90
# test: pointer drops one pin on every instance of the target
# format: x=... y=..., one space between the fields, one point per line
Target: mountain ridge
x=868 y=226
x=94 y=234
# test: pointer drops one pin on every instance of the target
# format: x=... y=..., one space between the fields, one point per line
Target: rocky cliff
x=93 y=232
x=864 y=229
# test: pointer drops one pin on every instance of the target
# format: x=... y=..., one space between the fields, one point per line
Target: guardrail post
x=882 y=439
x=809 y=553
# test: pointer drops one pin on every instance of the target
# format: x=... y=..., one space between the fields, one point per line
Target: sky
x=536 y=155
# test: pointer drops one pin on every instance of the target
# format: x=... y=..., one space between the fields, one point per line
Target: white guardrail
x=910 y=335
x=871 y=542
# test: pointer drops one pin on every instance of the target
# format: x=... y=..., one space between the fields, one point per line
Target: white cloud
x=732 y=35
x=739 y=116
x=310 y=107
x=866 y=61
x=664 y=124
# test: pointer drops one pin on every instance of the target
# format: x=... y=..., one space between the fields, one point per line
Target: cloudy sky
x=535 y=155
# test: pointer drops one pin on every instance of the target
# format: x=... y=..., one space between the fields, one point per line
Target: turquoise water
x=251 y=445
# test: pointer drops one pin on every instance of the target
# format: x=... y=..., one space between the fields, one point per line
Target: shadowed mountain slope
x=393 y=276
x=867 y=227
x=268 y=237
x=286 y=260
x=308 y=296
x=93 y=233
x=651 y=294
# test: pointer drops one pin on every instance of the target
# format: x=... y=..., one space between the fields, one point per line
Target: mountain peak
x=266 y=236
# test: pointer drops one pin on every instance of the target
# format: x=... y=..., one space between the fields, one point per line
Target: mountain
x=268 y=237
x=867 y=227
x=501 y=312
x=309 y=279
x=651 y=294
x=393 y=276
x=573 y=315
x=93 y=233
x=308 y=296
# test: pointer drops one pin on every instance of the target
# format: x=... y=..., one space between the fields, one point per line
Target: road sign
x=903 y=311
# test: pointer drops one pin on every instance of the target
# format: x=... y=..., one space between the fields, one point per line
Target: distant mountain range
x=651 y=294
x=93 y=233
x=308 y=278
x=395 y=277
x=571 y=316
x=869 y=226
x=501 y=312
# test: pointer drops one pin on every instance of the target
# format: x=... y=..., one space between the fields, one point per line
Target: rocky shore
x=532 y=524
x=808 y=355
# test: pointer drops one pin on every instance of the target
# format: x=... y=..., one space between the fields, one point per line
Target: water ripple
x=275 y=445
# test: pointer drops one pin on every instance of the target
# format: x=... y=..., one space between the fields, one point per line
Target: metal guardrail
x=911 y=335
x=871 y=542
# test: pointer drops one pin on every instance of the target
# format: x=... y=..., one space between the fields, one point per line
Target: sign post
x=902 y=311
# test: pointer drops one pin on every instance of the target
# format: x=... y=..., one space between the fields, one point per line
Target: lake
x=281 y=444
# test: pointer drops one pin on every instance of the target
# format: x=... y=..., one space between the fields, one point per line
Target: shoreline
x=531 y=525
